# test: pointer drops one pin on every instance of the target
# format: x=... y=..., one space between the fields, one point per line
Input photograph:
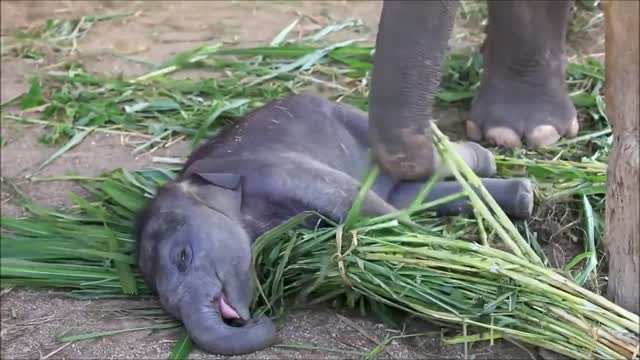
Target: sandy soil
x=31 y=320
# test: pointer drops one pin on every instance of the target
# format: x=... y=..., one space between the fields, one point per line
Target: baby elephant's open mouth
x=228 y=314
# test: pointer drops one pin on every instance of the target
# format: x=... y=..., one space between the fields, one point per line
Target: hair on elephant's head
x=194 y=252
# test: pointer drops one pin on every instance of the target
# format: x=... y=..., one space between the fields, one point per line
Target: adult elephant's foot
x=510 y=110
x=523 y=95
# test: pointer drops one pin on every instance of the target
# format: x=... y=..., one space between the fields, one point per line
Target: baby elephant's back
x=303 y=126
x=306 y=125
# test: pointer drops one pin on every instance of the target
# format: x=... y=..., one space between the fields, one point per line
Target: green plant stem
x=457 y=165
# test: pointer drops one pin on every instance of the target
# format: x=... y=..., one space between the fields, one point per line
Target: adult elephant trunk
x=407 y=66
x=206 y=327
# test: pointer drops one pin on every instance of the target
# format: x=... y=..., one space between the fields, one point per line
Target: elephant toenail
x=543 y=135
x=573 y=128
x=504 y=137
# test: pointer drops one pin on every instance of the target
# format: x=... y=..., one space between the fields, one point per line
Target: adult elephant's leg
x=523 y=94
x=410 y=47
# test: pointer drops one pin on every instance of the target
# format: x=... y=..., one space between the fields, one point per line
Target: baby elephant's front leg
x=336 y=194
x=328 y=191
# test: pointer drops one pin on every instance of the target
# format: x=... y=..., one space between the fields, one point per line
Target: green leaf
x=183 y=347
x=75 y=140
x=354 y=213
x=158 y=105
x=592 y=262
x=33 y=97
x=303 y=63
x=282 y=35
x=332 y=28
x=219 y=108
x=99 y=334
x=449 y=96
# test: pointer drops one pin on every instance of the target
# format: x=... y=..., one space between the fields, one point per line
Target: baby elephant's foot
x=514 y=196
x=508 y=109
x=524 y=199
x=480 y=160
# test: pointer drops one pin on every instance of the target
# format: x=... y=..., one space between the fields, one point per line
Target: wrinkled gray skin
x=522 y=93
x=297 y=154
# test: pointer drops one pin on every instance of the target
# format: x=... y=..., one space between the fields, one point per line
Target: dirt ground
x=31 y=320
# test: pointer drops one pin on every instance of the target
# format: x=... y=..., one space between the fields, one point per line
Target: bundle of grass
x=478 y=273
x=433 y=270
x=87 y=249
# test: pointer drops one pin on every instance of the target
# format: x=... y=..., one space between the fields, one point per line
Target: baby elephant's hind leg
x=514 y=196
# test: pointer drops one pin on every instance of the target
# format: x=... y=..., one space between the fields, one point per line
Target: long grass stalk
x=501 y=222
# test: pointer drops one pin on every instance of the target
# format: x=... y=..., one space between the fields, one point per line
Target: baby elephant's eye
x=183 y=259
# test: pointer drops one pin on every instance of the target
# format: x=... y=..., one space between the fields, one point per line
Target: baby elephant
x=296 y=154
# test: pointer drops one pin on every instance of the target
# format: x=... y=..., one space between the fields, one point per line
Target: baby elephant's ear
x=203 y=169
x=219 y=191
x=224 y=180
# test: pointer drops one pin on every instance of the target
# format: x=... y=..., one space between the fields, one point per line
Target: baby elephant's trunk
x=205 y=325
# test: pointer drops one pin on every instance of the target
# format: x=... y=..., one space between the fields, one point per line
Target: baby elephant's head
x=195 y=253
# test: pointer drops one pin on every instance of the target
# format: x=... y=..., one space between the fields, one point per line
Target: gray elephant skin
x=522 y=93
x=300 y=153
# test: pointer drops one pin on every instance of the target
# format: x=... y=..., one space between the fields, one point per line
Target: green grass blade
x=592 y=262
x=281 y=37
x=182 y=348
x=99 y=334
x=219 y=108
x=75 y=140
x=354 y=213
